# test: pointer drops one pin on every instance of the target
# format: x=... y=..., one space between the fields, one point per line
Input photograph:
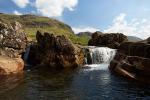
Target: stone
x=55 y=51
x=12 y=44
x=10 y=66
x=132 y=61
x=112 y=40
x=12 y=39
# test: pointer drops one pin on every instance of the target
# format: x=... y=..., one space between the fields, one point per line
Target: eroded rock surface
x=12 y=45
x=133 y=61
x=55 y=51
x=11 y=65
x=12 y=39
x=112 y=40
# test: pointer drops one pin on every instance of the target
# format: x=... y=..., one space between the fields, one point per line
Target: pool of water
x=92 y=83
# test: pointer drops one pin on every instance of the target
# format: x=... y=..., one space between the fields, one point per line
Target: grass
x=32 y=23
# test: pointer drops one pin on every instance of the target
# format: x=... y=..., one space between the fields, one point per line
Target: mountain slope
x=134 y=39
x=32 y=23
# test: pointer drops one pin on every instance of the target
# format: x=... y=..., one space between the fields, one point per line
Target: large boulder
x=148 y=40
x=10 y=65
x=112 y=40
x=12 y=45
x=132 y=60
x=12 y=39
x=55 y=51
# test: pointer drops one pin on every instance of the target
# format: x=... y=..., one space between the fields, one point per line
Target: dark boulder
x=55 y=51
x=132 y=60
x=112 y=40
x=148 y=40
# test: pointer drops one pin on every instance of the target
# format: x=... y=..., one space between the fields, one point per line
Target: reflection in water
x=92 y=83
x=10 y=82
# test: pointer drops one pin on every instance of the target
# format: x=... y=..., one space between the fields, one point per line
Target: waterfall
x=98 y=58
x=98 y=55
x=26 y=54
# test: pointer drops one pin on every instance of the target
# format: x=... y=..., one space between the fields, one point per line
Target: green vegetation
x=32 y=23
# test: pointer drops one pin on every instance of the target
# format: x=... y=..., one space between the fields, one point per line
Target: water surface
x=93 y=83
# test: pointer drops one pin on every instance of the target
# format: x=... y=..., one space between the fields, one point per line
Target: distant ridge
x=134 y=39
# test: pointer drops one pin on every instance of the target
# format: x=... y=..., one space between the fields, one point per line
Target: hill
x=89 y=34
x=134 y=39
x=32 y=23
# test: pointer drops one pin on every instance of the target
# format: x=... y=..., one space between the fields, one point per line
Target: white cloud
x=21 y=3
x=84 y=29
x=136 y=27
x=54 y=8
x=17 y=13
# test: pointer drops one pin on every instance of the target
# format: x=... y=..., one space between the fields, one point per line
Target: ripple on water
x=92 y=83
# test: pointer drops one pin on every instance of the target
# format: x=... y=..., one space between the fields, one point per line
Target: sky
x=131 y=17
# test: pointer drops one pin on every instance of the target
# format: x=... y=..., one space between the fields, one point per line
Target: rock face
x=10 y=65
x=12 y=45
x=112 y=40
x=12 y=39
x=148 y=40
x=55 y=51
x=132 y=60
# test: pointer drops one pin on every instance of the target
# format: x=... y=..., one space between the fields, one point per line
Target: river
x=91 y=83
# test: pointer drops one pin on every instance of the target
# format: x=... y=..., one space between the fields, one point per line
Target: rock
x=12 y=39
x=10 y=65
x=12 y=45
x=135 y=49
x=148 y=40
x=55 y=51
x=132 y=61
x=112 y=40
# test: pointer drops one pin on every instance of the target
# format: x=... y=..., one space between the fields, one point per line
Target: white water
x=101 y=57
x=92 y=67
x=26 y=55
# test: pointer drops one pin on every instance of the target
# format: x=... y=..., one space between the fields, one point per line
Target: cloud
x=54 y=8
x=135 y=27
x=17 y=13
x=84 y=29
x=21 y=3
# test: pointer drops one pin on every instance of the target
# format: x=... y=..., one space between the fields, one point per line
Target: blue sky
x=130 y=17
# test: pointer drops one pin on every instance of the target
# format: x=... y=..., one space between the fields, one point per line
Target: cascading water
x=102 y=55
x=98 y=57
x=26 y=54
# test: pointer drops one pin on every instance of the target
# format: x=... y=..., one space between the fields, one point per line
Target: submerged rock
x=132 y=60
x=55 y=51
x=111 y=40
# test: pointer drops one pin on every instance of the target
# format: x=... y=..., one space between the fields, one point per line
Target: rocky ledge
x=12 y=45
x=55 y=52
x=132 y=60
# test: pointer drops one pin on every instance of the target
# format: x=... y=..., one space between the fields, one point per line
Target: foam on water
x=92 y=67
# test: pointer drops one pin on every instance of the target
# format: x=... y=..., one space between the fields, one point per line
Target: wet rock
x=55 y=51
x=12 y=45
x=10 y=65
x=132 y=60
